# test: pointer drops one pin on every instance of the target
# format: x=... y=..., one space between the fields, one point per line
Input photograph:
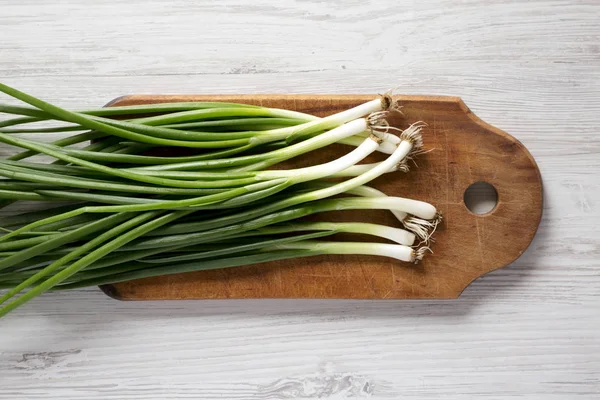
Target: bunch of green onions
x=157 y=189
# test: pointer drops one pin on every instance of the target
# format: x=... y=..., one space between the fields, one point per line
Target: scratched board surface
x=463 y=150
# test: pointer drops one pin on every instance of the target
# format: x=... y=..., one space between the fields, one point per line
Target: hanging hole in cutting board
x=481 y=198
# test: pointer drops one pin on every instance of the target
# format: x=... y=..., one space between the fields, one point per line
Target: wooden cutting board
x=465 y=150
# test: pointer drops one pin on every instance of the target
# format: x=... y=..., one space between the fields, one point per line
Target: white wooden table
x=531 y=330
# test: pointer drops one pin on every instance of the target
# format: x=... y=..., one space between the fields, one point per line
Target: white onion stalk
x=291 y=134
x=399 y=206
x=386 y=147
x=298 y=175
x=422 y=227
x=360 y=169
x=418 y=208
x=388 y=144
x=390 y=141
x=397 y=235
x=274 y=157
x=410 y=140
x=396 y=251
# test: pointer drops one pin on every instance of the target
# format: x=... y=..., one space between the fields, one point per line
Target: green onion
x=179 y=187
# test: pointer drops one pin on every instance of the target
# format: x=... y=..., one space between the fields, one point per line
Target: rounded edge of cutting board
x=413 y=106
x=538 y=218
